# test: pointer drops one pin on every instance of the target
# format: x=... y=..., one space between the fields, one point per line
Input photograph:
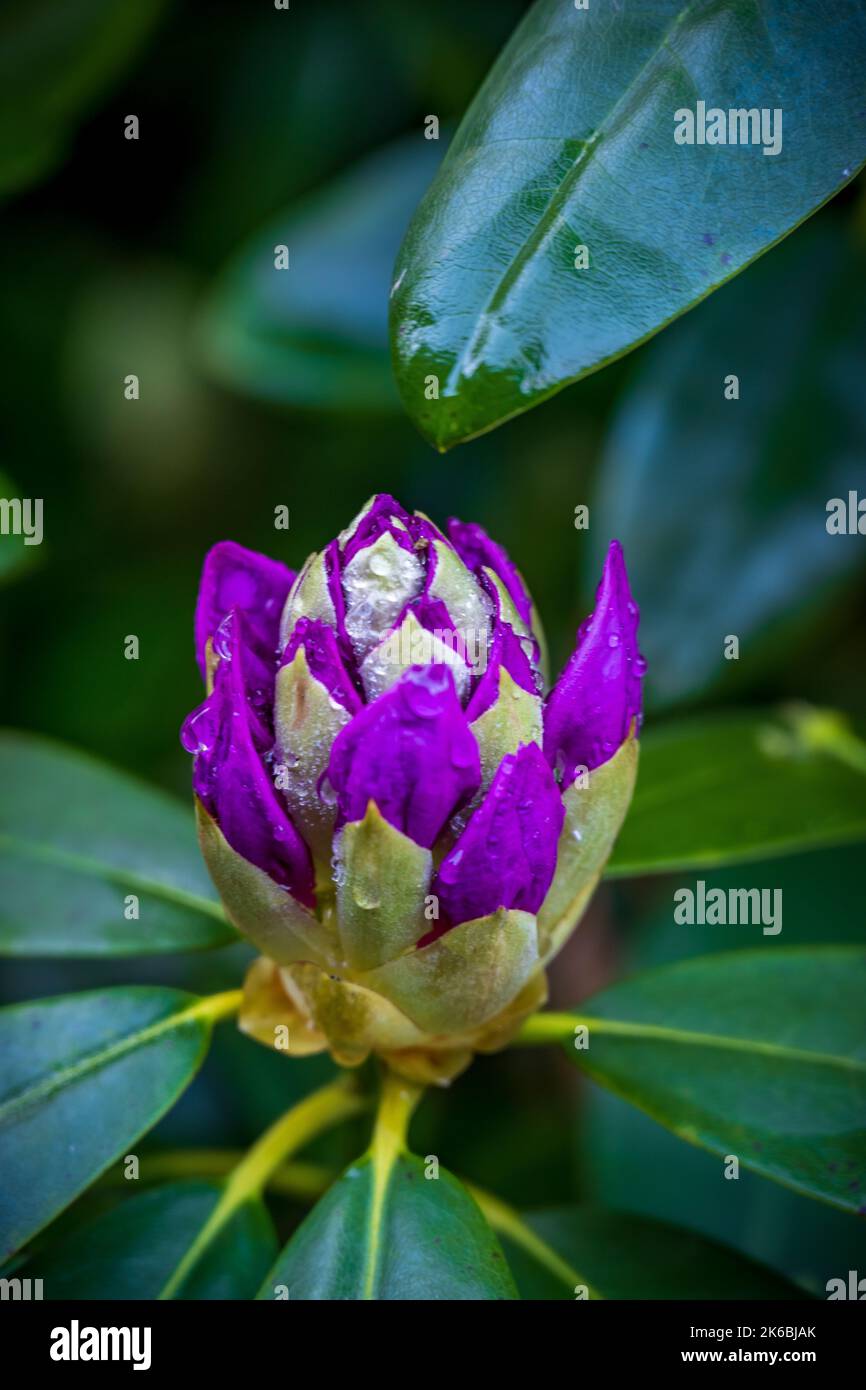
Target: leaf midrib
x=105 y=1056
x=81 y=864
x=688 y=1038
x=382 y=1167
x=558 y=198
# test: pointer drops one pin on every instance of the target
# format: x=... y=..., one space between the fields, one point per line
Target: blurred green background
x=155 y=257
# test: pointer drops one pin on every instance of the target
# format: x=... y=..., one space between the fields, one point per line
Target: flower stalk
x=320 y=1111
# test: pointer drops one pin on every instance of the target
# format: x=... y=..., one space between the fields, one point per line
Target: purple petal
x=411 y=752
x=324 y=660
x=229 y=734
x=478 y=551
x=506 y=856
x=590 y=710
x=432 y=614
x=385 y=514
x=233 y=577
x=506 y=650
x=338 y=598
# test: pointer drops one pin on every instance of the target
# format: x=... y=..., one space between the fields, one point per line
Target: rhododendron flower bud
x=390 y=808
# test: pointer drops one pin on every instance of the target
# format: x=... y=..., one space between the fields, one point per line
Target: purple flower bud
x=507 y=853
x=590 y=710
x=379 y=715
x=324 y=660
x=478 y=551
x=233 y=577
x=385 y=516
x=506 y=650
x=411 y=753
x=230 y=734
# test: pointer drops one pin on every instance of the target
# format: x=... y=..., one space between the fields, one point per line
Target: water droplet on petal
x=198 y=730
x=380 y=565
x=222 y=639
x=327 y=794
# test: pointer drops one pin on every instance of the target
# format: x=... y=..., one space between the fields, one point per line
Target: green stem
x=509 y=1223
x=297 y=1127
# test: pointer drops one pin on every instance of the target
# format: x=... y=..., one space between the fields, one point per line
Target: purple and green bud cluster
x=390 y=807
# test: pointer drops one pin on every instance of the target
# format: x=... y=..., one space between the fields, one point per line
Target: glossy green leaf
x=742 y=786
x=316 y=334
x=77 y=840
x=757 y=1054
x=55 y=63
x=133 y=1250
x=405 y=1237
x=809 y=1240
x=739 y=545
x=570 y=143
x=84 y=1075
x=621 y=1255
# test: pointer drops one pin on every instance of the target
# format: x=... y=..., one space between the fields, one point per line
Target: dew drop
x=197 y=731
x=222 y=639
x=380 y=565
x=327 y=793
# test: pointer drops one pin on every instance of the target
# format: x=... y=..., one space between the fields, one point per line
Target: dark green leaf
x=418 y=1238
x=739 y=544
x=84 y=1076
x=78 y=838
x=756 y=1054
x=55 y=62
x=785 y=1230
x=627 y=1256
x=738 y=787
x=620 y=1144
x=133 y=1250
x=316 y=334
x=570 y=142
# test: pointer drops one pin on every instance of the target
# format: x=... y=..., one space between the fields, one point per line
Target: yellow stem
x=397 y=1101
x=555 y=1027
x=308 y=1182
x=549 y=1027
x=217 y=1006
x=509 y=1223
x=297 y=1127
x=305 y=1181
